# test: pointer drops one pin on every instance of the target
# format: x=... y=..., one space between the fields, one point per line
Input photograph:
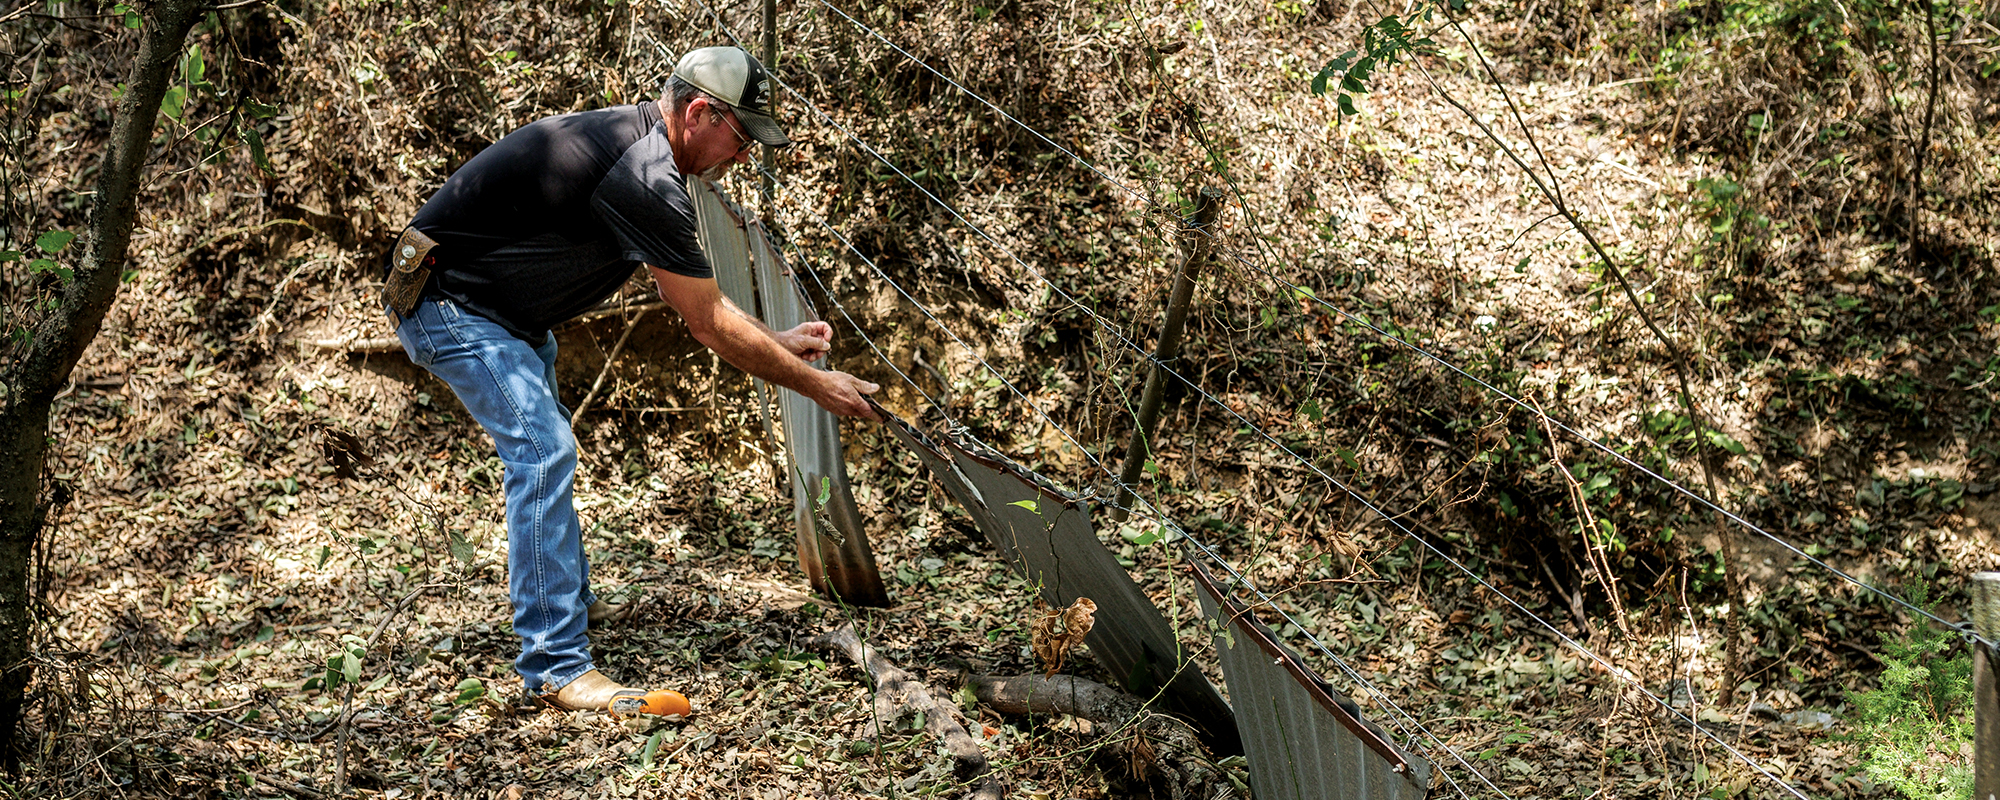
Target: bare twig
x=277 y=296
x=1592 y=552
x=610 y=360
x=222 y=710
x=1678 y=358
x=386 y=344
x=342 y=720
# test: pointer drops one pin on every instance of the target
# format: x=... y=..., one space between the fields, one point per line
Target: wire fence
x=1560 y=424
x=1403 y=719
x=1411 y=727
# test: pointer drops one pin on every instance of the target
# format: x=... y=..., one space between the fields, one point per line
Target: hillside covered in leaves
x=1747 y=249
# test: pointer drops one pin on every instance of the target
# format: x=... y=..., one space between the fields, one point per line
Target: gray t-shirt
x=551 y=219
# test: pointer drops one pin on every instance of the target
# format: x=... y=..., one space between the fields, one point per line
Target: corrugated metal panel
x=1046 y=535
x=833 y=543
x=719 y=228
x=814 y=435
x=1304 y=740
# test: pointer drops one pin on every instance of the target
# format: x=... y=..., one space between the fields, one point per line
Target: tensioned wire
x=1964 y=628
x=1403 y=719
x=1157 y=364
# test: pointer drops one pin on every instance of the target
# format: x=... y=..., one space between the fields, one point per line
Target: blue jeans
x=510 y=388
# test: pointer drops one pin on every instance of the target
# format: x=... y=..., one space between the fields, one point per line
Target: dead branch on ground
x=898 y=693
x=1157 y=749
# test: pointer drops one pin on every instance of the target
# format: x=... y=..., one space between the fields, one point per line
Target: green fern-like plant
x=1915 y=731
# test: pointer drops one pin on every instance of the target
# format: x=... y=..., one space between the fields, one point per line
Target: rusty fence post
x=1208 y=204
x=1986 y=687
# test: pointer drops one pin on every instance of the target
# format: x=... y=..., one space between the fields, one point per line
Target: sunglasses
x=740 y=136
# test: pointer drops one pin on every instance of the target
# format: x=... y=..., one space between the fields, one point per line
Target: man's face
x=717 y=139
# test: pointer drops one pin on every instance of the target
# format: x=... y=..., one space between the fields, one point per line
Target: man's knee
x=545 y=445
x=562 y=450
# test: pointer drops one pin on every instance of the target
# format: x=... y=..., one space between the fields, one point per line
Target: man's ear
x=696 y=108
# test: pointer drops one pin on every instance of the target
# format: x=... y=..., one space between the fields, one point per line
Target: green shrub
x=1915 y=731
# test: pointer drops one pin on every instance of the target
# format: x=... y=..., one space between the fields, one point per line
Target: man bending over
x=542 y=225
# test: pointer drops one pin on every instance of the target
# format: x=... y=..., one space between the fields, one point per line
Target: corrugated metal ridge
x=719 y=230
x=1054 y=545
x=833 y=532
x=832 y=540
x=1333 y=702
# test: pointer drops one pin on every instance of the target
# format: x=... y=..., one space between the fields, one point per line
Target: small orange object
x=667 y=703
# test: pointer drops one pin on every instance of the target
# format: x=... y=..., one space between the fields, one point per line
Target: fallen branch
x=386 y=344
x=897 y=693
x=1159 y=750
x=294 y=788
x=609 y=361
x=390 y=344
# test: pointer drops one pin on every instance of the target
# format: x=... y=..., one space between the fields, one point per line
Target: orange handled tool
x=660 y=703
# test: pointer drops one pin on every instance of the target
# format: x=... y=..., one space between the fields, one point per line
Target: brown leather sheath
x=412 y=261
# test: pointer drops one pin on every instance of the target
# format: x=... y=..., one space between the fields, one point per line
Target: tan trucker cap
x=732 y=75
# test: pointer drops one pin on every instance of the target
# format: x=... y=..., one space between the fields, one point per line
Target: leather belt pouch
x=411 y=270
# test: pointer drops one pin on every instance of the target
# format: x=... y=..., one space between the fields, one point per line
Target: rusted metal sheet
x=1046 y=535
x=1304 y=740
x=832 y=542
x=832 y=531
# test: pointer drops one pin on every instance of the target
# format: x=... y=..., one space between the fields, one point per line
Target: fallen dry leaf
x=1055 y=632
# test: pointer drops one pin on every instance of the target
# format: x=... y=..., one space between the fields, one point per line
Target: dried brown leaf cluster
x=1055 y=631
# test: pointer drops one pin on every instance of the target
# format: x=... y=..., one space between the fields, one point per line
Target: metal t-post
x=1986 y=687
x=770 y=65
x=1208 y=204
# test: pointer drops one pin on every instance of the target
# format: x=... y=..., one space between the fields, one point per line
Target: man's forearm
x=747 y=345
x=750 y=346
x=746 y=317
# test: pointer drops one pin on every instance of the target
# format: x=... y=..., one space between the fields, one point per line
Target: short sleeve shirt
x=551 y=219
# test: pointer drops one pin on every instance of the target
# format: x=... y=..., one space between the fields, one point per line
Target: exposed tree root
x=1157 y=750
x=898 y=693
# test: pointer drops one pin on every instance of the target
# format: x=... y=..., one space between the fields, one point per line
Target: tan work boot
x=604 y=615
x=592 y=691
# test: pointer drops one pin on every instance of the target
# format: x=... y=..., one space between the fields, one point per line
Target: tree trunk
x=60 y=339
